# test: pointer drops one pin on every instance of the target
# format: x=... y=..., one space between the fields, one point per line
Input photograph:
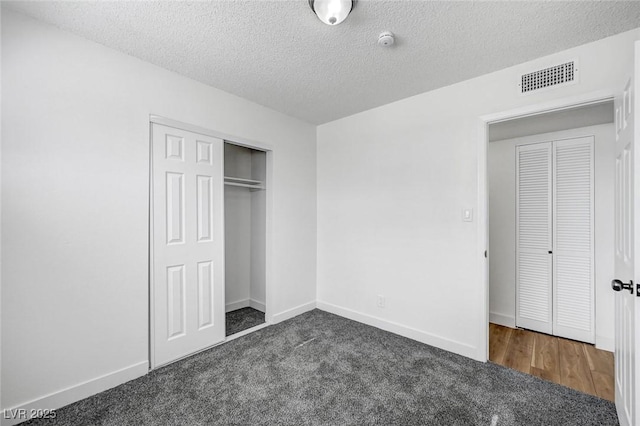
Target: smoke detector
x=386 y=38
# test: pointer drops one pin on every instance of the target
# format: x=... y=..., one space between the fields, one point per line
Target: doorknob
x=618 y=285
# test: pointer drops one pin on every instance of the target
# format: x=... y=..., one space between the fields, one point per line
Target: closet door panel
x=534 y=292
x=187 y=244
x=534 y=237
x=573 y=263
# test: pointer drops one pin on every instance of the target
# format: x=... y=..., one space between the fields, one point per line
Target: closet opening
x=209 y=234
x=550 y=181
x=245 y=186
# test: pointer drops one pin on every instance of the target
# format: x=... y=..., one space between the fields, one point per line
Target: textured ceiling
x=278 y=54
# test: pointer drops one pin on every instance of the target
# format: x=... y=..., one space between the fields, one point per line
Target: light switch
x=467 y=215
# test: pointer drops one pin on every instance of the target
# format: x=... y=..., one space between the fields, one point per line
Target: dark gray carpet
x=242 y=319
x=321 y=369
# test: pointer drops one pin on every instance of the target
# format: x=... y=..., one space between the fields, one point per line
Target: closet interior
x=245 y=189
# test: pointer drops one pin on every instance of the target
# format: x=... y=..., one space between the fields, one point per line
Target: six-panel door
x=627 y=209
x=187 y=273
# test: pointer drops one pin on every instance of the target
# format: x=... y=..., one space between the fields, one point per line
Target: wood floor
x=573 y=364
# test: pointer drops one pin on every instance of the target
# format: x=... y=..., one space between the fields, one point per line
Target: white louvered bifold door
x=533 y=237
x=573 y=268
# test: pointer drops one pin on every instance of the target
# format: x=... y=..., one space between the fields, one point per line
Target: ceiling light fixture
x=332 y=12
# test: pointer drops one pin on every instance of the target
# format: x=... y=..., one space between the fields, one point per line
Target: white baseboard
x=59 y=399
x=403 y=330
x=502 y=319
x=257 y=305
x=605 y=343
x=232 y=306
x=293 y=312
x=246 y=303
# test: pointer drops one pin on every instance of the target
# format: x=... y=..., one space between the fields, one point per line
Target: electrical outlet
x=381 y=301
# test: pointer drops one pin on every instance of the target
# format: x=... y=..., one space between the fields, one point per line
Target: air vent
x=552 y=76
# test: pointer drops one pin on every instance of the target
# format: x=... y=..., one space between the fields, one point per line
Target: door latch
x=618 y=285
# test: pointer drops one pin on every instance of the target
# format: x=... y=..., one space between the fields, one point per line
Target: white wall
x=502 y=193
x=237 y=248
x=588 y=115
x=392 y=183
x=244 y=230
x=75 y=191
x=1 y=173
x=258 y=224
x=237 y=229
x=502 y=225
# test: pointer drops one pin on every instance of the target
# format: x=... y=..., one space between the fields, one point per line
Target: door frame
x=236 y=140
x=483 y=190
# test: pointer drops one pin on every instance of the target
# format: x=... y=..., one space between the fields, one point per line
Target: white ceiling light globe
x=331 y=12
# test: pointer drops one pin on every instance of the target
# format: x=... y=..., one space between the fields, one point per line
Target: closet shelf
x=244 y=183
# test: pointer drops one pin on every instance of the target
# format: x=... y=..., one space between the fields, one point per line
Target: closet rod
x=245 y=185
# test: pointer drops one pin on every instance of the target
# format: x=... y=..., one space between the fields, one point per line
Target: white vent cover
x=548 y=77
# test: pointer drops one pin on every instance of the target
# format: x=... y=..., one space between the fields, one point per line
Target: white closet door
x=573 y=263
x=534 y=237
x=187 y=243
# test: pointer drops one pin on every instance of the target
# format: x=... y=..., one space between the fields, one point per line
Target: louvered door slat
x=534 y=233
x=573 y=269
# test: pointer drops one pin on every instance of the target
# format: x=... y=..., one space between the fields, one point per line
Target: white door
x=554 y=259
x=534 y=237
x=573 y=262
x=187 y=264
x=627 y=199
